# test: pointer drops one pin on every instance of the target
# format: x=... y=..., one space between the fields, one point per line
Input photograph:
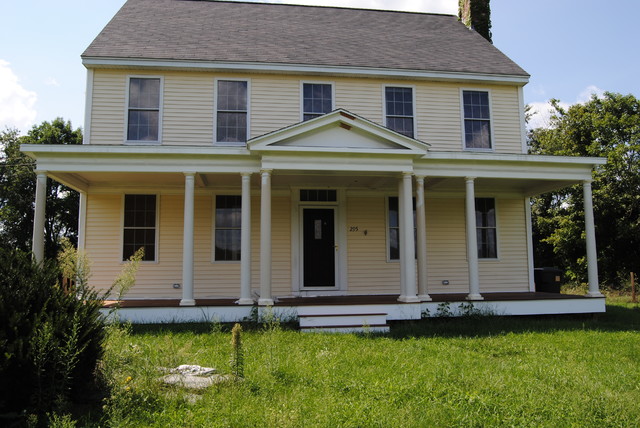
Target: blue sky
x=571 y=49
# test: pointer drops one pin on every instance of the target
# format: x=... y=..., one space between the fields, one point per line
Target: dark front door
x=319 y=266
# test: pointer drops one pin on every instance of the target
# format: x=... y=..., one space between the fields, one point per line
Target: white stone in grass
x=192 y=369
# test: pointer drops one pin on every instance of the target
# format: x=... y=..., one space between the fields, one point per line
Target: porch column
x=421 y=227
x=265 y=239
x=407 y=241
x=187 y=242
x=472 y=241
x=37 y=242
x=590 y=231
x=82 y=220
x=245 y=242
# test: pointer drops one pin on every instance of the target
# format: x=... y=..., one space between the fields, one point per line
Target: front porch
x=292 y=308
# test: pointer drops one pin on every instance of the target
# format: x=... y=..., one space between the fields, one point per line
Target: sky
x=571 y=48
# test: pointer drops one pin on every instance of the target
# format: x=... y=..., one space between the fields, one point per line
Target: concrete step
x=344 y=322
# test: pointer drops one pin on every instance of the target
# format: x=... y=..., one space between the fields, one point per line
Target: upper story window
x=477 y=120
x=399 y=115
x=140 y=216
x=231 y=111
x=143 y=116
x=317 y=99
x=486 y=228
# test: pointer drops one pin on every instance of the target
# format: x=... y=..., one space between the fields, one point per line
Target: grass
x=552 y=371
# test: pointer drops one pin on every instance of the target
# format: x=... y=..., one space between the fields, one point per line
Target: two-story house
x=270 y=154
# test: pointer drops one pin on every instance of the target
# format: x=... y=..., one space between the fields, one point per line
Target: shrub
x=51 y=339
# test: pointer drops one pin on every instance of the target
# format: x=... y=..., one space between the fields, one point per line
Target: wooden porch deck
x=383 y=299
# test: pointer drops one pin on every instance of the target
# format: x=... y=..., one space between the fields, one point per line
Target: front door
x=319 y=252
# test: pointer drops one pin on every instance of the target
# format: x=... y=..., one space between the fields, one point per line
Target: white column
x=529 y=225
x=402 y=258
x=82 y=221
x=187 y=242
x=590 y=231
x=265 y=239
x=421 y=227
x=472 y=241
x=245 y=242
x=37 y=243
x=407 y=241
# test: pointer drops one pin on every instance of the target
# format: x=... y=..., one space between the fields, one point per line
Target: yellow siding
x=108 y=108
x=446 y=246
x=188 y=101
x=188 y=109
x=369 y=272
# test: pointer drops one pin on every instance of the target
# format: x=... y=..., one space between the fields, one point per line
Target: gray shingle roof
x=201 y=30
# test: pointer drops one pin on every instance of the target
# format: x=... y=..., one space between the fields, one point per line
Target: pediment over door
x=338 y=132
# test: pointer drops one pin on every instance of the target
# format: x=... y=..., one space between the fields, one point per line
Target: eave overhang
x=307 y=69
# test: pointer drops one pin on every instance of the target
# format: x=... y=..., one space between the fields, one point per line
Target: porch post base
x=424 y=298
x=472 y=296
x=595 y=294
x=265 y=302
x=187 y=302
x=245 y=301
x=409 y=299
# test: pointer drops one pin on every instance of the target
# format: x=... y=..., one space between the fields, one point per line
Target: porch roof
x=82 y=167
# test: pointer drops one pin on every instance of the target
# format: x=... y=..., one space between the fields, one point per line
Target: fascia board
x=37 y=150
x=483 y=157
x=102 y=62
x=337 y=163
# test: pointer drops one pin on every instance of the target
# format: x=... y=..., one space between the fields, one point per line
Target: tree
x=607 y=126
x=17 y=189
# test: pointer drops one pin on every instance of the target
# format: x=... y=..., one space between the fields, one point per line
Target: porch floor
x=382 y=299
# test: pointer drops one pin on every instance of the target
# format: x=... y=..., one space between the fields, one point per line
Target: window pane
x=394 y=244
x=144 y=93
x=477 y=134
x=486 y=228
x=232 y=127
x=399 y=110
x=317 y=100
x=227 y=244
x=143 y=125
x=140 y=211
x=228 y=211
x=232 y=95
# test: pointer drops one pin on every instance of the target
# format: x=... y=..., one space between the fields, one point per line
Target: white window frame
x=214 y=227
x=215 y=111
x=413 y=100
x=316 y=82
x=495 y=204
x=126 y=109
x=122 y=209
x=491 y=121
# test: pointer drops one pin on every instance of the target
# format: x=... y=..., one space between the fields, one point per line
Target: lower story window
x=139 y=226
x=394 y=227
x=486 y=228
x=228 y=227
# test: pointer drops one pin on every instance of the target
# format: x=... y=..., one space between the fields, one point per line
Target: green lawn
x=485 y=371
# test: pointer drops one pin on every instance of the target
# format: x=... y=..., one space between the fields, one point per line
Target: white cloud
x=541 y=111
x=16 y=103
x=432 y=6
x=51 y=81
x=585 y=95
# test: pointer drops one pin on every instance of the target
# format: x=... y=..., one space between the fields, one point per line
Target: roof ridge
x=323 y=7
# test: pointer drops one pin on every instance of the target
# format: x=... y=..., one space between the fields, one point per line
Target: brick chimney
x=476 y=14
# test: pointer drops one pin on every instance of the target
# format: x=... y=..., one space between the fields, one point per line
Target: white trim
x=88 y=108
x=97 y=62
x=316 y=82
x=157 y=249
x=523 y=121
x=491 y=121
x=215 y=111
x=413 y=107
x=529 y=226
x=160 y=110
